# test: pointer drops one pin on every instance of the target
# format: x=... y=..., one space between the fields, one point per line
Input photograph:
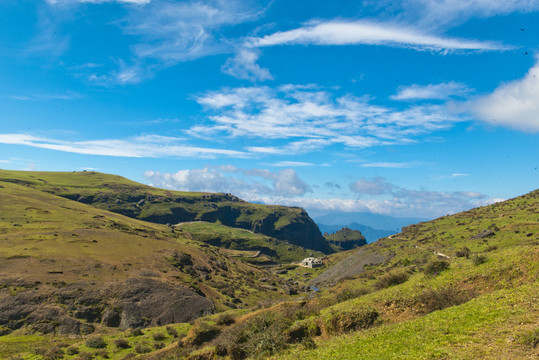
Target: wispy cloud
x=442 y=91
x=513 y=105
x=291 y=164
x=243 y=66
x=151 y=146
x=52 y=96
x=449 y=12
x=313 y=118
x=371 y=33
x=139 y=2
x=391 y=165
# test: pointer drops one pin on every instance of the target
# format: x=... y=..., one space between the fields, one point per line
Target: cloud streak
x=149 y=146
x=371 y=33
x=442 y=91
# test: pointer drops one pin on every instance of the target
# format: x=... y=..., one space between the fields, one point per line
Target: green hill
x=67 y=267
x=346 y=239
x=116 y=194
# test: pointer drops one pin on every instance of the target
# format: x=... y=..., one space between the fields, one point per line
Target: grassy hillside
x=86 y=266
x=459 y=287
x=116 y=194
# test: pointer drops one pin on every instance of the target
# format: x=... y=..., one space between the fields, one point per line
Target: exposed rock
x=483 y=234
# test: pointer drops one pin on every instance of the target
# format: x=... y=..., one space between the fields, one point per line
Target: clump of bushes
x=438 y=299
x=72 y=350
x=530 y=338
x=202 y=332
x=225 y=319
x=347 y=294
x=102 y=352
x=135 y=332
x=479 y=259
x=464 y=252
x=142 y=348
x=122 y=343
x=351 y=321
x=171 y=331
x=391 y=279
x=96 y=343
x=435 y=267
x=159 y=345
x=261 y=336
x=52 y=353
x=85 y=356
x=159 y=336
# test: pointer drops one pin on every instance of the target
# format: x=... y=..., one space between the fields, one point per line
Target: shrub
x=135 y=332
x=479 y=259
x=438 y=299
x=85 y=356
x=464 y=252
x=391 y=279
x=261 y=336
x=171 y=331
x=159 y=336
x=159 y=345
x=52 y=353
x=348 y=294
x=351 y=321
x=435 y=267
x=491 y=248
x=102 y=352
x=142 y=348
x=225 y=319
x=72 y=350
x=530 y=338
x=96 y=343
x=202 y=332
x=122 y=343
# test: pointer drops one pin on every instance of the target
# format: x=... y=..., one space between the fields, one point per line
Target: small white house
x=311 y=262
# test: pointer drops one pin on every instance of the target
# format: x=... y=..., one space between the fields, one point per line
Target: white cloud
x=375 y=186
x=390 y=165
x=514 y=104
x=313 y=118
x=371 y=33
x=249 y=184
x=243 y=66
x=442 y=12
x=441 y=91
x=151 y=146
x=139 y=2
x=291 y=164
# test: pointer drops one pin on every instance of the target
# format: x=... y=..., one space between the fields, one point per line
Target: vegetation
x=459 y=287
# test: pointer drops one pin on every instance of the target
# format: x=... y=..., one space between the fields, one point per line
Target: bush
x=530 y=338
x=491 y=248
x=225 y=319
x=391 y=279
x=135 y=332
x=96 y=343
x=435 y=267
x=122 y=343
x=142 y=348
x=72 y=350
x=159 y=345
x=348 y=294
x=201 y=332
x=52 y=353
x=438 y=299
x=261 y=336
x=171 y=331
x=479 y=259
x=351 y=321
x=85 y=356
x=102 y=352
x=464 y=252
x=159 y=336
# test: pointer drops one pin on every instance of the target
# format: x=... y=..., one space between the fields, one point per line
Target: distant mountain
x=346 y=238
x=375 y=221
x=370 y=234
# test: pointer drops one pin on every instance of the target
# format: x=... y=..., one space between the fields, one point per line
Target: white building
x=311 y=262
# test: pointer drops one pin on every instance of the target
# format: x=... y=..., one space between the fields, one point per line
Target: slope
x=117 y=194
x=67 y=267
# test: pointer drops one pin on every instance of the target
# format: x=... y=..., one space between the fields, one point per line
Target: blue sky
x=412 y=108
